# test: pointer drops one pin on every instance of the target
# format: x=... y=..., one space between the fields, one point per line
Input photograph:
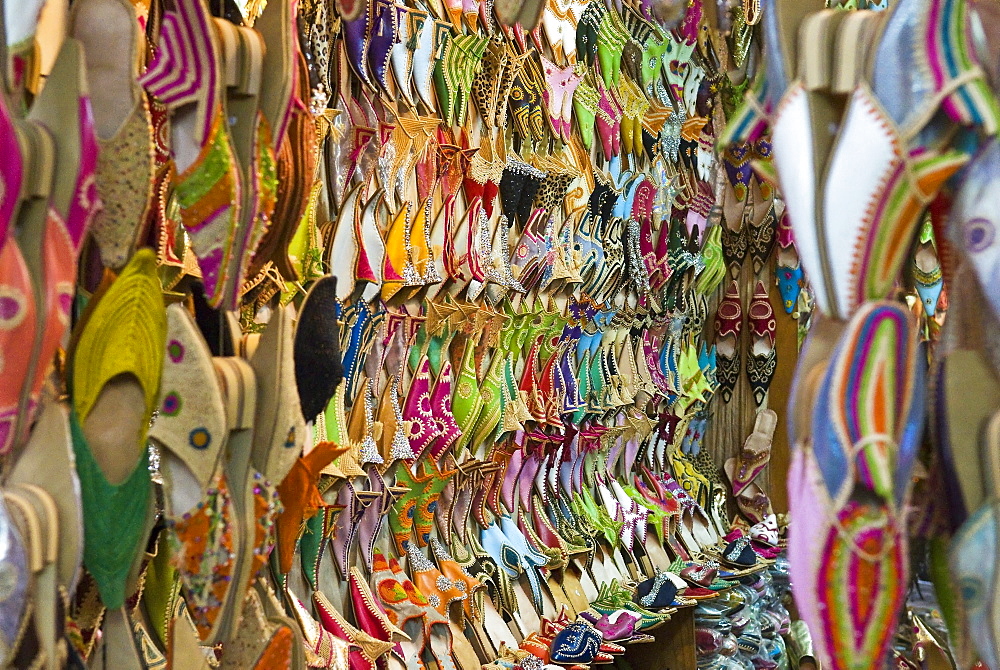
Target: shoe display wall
x=400 y=334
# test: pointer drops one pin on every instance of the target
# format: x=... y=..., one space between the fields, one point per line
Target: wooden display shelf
x=673 y=649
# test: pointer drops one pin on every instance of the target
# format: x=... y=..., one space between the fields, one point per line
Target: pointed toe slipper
x=319 y=364
x=190 y=426
x=279 y=431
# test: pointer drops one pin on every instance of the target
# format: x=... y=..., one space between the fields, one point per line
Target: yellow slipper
x=115 y=366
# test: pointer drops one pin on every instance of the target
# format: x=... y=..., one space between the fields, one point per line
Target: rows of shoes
x=883 y=125
x=410 y=334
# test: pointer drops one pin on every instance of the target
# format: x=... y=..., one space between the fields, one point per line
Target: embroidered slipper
x=261 y=643
x=47 y=462
x=114 y=46
x=19 y=327
x=190 y=426
x=763 y=357
x=766 y=532
x=243 y=53
x=53 y=221
x=301 y=501
x=116 y=363
x=927 y=275
x=853 y=485
x=191 y=430
x=278 y=429
x=319 y=365
x=187 y=75
x=728 y=325
x=756 y=451
x=296 y=157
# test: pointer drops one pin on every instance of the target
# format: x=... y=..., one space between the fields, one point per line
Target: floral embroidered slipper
x=191 y=431
x=114 y=47
x=116 y=362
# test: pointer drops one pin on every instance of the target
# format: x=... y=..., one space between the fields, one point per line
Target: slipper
x=756 y=451
x=184 y=650
x=279 y=430
x=853 y=484
x=59 y=203
x=318 y=361
x=114 y=46
x=752 y=502
x=766 y=532
x=187 y=75
x=972 y=230
x=261 y=643
x=117 y=646
x=65 y=113
x=47 y=462
x=728 y=324
x=301 y=501
x=16 y=559
x=343 y=244
x=243 y=54
x=296 y=158
x=190 y=427
x=928 y=276
x=116 y=363
x=254 y=498
x=17 y=338
x=762 y=359
x=971 y=552
x=35 y=512
x=191 y=430
x=967 y=394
